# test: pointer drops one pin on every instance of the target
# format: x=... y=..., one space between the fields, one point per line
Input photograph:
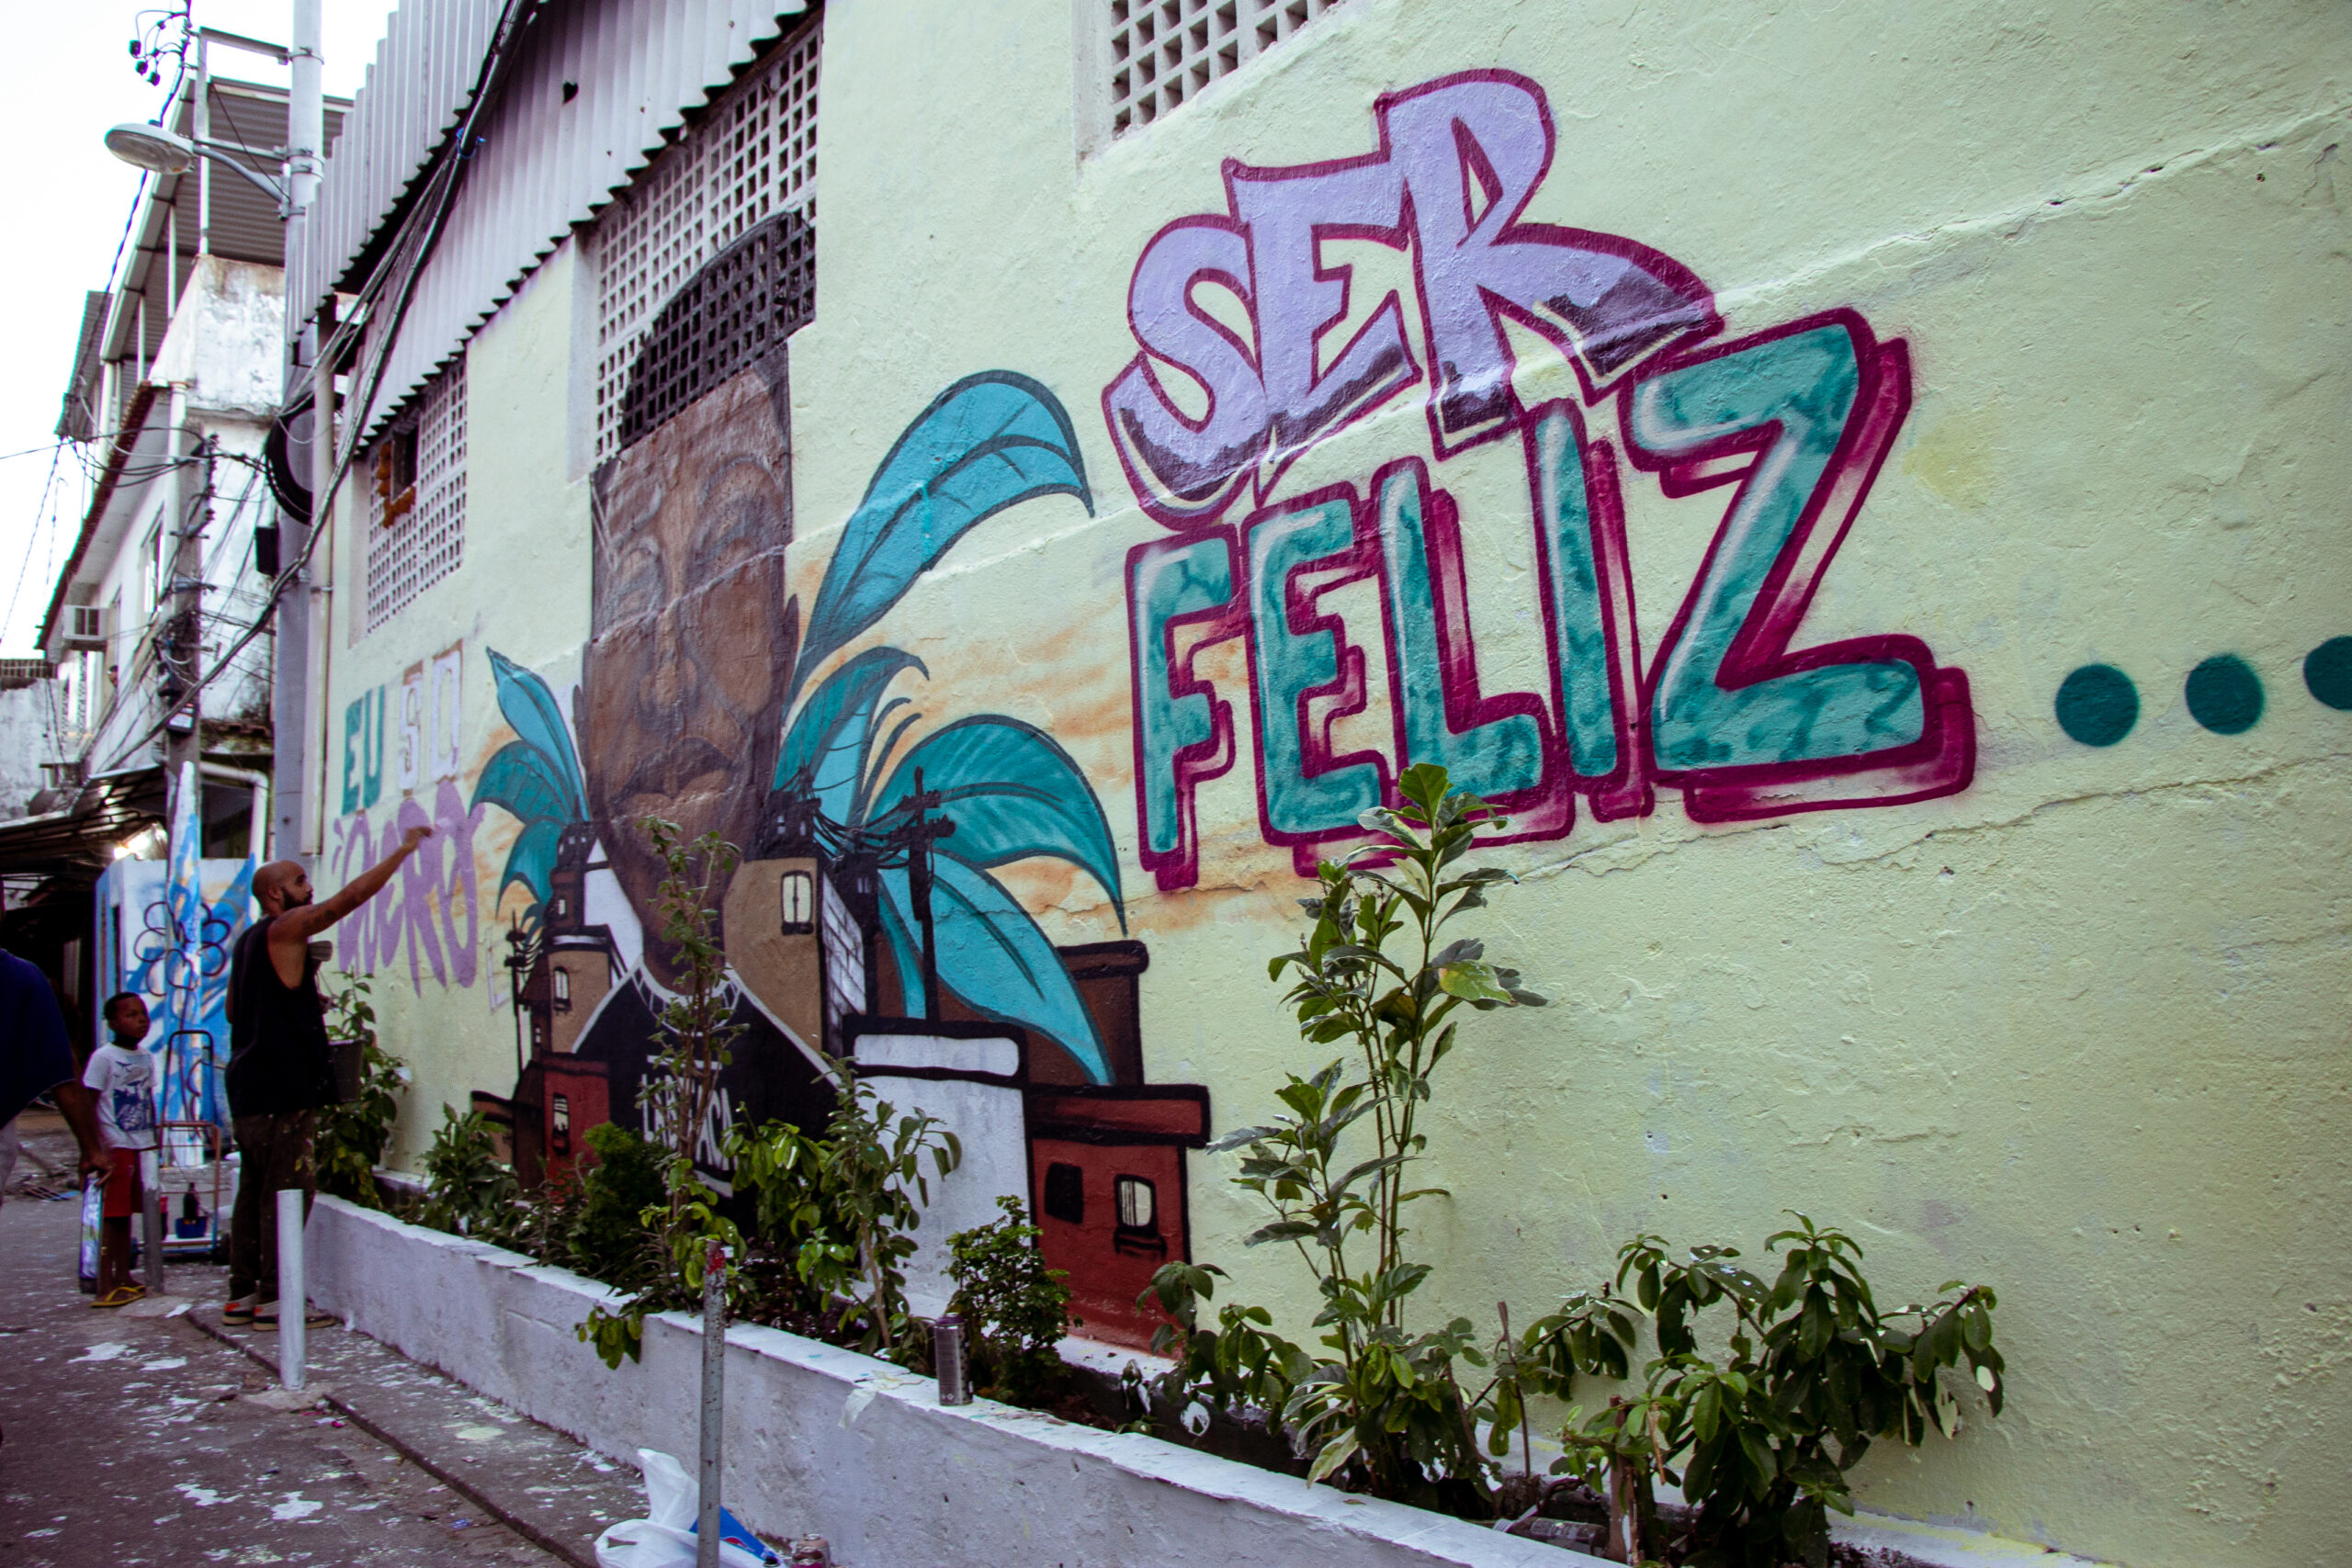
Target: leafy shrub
x=465 y=1184
x=351 y=1138
x=1760 y=1442
x=607 y=1238
x=1015 y=1308
x=842 y=1207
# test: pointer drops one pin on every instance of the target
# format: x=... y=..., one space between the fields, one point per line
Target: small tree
x=682 y=1089
x=684 y=1086
x=1375 y=974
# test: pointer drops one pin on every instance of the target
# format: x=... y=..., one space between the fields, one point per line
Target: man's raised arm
x=299 y=924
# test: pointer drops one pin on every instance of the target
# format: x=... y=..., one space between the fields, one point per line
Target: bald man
x=278 y=1072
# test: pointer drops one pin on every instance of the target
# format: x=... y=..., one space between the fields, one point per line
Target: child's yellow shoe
x=121 y=1295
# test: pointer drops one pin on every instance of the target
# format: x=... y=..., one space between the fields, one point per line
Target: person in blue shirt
x=35 y=1059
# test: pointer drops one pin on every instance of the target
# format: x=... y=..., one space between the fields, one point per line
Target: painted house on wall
x=1879 y=554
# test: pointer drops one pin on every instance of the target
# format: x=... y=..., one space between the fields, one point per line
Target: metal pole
x=714 y=1401
x=293 y=1296
x=297 y=808
x=306 y=123
x=184 y=671
x=203 y=124
x=154 y=1222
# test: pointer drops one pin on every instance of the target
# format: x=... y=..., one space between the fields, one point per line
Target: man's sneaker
x=237 y=1313
x=265 y=1318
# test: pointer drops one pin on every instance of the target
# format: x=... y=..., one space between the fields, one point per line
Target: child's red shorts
x=123 y=1193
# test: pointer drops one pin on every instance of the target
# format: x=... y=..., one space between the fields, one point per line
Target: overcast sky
x=66 y=77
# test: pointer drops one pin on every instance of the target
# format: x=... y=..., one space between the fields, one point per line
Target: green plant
x=351 y=1137
x=844 y=1206
x=1016 y=1307
x=679 y=1098
x=1760 y=1442
x=607 y=1238
x=465 y=1184
x=1386 y=1409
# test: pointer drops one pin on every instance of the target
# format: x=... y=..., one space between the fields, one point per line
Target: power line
x=41 y=513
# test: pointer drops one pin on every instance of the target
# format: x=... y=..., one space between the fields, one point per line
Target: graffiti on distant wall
x=1797 y=420
x=433 y=912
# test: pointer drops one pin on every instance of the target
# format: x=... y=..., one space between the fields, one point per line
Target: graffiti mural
x=432 y=915
x=164 y=931
x=1796 y=420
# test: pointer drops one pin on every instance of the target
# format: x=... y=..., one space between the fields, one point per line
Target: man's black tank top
x=278 y=1033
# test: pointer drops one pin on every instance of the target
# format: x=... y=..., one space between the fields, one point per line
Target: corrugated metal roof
x=547 y=161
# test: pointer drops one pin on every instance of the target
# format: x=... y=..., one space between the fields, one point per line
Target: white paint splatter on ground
x=164 y=1364
x=296 y=1506
x=478 y=1433
x=106 y=1352
x=204 y=1496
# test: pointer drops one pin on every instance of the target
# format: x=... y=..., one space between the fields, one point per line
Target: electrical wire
x=451 y=160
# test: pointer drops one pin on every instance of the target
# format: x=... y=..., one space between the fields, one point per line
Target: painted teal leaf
x=993 y=954
x=1013 y=792
x=523 y=783
x=532 y=859
x=825 y=749
x=988 y=441
x=531 y=711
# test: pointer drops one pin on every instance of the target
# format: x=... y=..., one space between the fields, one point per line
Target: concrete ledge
x=826 y=1440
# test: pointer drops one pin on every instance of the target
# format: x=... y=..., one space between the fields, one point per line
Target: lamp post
x=162 y=152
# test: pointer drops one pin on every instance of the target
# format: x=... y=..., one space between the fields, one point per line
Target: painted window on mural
x=1139 y=1228
x=799 y=895
x=1164 y=52
x=739 y=190
x=1065 y=1193
x=416 y=478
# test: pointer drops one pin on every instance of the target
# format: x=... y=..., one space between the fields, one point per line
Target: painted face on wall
x=688 y=657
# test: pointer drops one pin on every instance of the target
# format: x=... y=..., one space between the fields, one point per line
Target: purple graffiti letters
x=1458 y=161
x=1473 y=150
x=1187 y=469
x=420 y=910
x=1798 y=421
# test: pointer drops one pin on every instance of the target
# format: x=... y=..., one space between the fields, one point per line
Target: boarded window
x=744 y=176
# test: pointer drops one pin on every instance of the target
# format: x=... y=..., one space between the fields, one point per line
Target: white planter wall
x=827 y=1441
x=824 y=1440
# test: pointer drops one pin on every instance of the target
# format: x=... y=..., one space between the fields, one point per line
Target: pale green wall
x=522 y=590
x=2077 y=1031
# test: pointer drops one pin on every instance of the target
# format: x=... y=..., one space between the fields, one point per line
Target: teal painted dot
x=2225 y=695
x=2327 y=670
x=2097 y=705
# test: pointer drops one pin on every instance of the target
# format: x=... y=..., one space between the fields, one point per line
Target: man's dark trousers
x=273 y=1152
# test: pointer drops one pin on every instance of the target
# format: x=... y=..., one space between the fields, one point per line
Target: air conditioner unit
x=86 y=628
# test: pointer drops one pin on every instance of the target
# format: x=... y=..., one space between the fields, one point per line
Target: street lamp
x=162 y=152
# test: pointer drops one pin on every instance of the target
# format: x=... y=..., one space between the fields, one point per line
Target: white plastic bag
x=665 y=1537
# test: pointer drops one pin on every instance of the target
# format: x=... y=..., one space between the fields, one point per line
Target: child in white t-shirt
x=122 y=1078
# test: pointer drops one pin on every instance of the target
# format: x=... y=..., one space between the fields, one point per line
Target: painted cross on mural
x=1797 y=419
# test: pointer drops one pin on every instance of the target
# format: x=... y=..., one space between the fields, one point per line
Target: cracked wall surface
x=2074 y=1028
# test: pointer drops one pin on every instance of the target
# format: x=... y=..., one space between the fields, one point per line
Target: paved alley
x=135 y=1435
